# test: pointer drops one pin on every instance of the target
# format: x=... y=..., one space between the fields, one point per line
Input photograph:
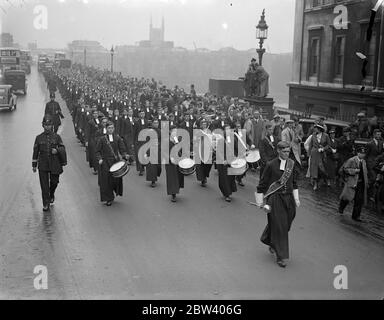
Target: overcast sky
x=211 y=24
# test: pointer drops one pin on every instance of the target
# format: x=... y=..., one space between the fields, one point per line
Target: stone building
x=327 y=74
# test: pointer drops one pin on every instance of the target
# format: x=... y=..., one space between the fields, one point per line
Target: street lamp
x=85 y=56
x=112 y=52
x=261 y=34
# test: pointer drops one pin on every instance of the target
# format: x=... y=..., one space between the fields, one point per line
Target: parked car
x=8 y=100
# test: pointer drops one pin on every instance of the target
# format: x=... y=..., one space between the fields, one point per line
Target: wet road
x=145 y=247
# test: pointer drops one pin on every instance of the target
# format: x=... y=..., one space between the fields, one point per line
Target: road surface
x=145 y=247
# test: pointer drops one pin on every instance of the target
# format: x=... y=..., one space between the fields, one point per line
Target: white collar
x=142 y=121
x=97 y=121
x=282 y=164
x=110 y=137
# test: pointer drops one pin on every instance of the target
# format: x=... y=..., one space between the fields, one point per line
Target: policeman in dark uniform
x=53 y=109
x=46 y=158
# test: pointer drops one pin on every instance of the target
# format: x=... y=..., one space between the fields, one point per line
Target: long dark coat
x=227 y=183
x=137 y=128
x=283 y=208
x=90 y=136
x=331 y=161
x=174 y=179
x=153 y=170
x=108 y=184
x=318 y=159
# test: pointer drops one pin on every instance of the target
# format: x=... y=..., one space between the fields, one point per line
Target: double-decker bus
x=9 y=58
x=59 y=55
x=41 y=61
x=25 y=61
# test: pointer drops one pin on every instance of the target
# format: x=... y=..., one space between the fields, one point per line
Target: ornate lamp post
x=112 y=53
x=261 y=34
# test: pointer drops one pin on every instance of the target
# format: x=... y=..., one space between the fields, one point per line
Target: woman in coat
x=317 y=144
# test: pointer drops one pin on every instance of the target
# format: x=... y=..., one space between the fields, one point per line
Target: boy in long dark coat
x=174 y=179
x=278 y=185
x=203 y=169
x=108 y=149
x=227 y=183
x=153 y=170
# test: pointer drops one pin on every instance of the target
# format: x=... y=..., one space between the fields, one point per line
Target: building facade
x=6 y=40
x=156 y=37
x=327 y=74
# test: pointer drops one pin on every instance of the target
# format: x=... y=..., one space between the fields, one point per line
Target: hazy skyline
x=211 y=24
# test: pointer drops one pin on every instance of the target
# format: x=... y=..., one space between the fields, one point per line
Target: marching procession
x=115 y=118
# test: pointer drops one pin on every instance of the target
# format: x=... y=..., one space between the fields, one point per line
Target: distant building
x=90 y=46
x=327 y=74
x=156 y=38
x=6 y=40
x=32 y=46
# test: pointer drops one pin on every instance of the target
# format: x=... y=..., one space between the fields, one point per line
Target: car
x=7 y=99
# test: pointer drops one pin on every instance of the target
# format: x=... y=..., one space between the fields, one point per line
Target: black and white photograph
x=184 y=150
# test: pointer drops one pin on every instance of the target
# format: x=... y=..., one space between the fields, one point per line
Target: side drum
x=187 y=166
x=238 y=167
x=119 y=169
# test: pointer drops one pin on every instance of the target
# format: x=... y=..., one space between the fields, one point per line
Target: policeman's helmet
x=47 y=121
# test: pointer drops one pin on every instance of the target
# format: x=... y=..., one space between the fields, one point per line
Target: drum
x=238 y=167
x=252 y=156
x=119 y=169
x=187 y=166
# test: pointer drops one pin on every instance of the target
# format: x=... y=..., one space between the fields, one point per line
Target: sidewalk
x=325 y=201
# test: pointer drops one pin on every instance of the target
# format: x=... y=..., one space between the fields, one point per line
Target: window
x=372 y=55
x=314 y=56
x=339 y=56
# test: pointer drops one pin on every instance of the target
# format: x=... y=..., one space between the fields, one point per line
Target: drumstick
x=253 y=204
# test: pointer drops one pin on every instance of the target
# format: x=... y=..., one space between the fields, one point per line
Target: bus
x=59 y=55
x=9 y=58
x=41 y=61
x=25 y=61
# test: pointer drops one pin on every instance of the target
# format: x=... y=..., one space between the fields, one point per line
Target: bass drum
x=187 y=166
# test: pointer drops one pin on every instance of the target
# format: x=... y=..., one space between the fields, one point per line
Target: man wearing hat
x=356 y=183
x=53 y=109
x=289 y=135
x=46 y=159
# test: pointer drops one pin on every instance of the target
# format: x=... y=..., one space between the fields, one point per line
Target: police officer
x=53 y=109
x=46 y=158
